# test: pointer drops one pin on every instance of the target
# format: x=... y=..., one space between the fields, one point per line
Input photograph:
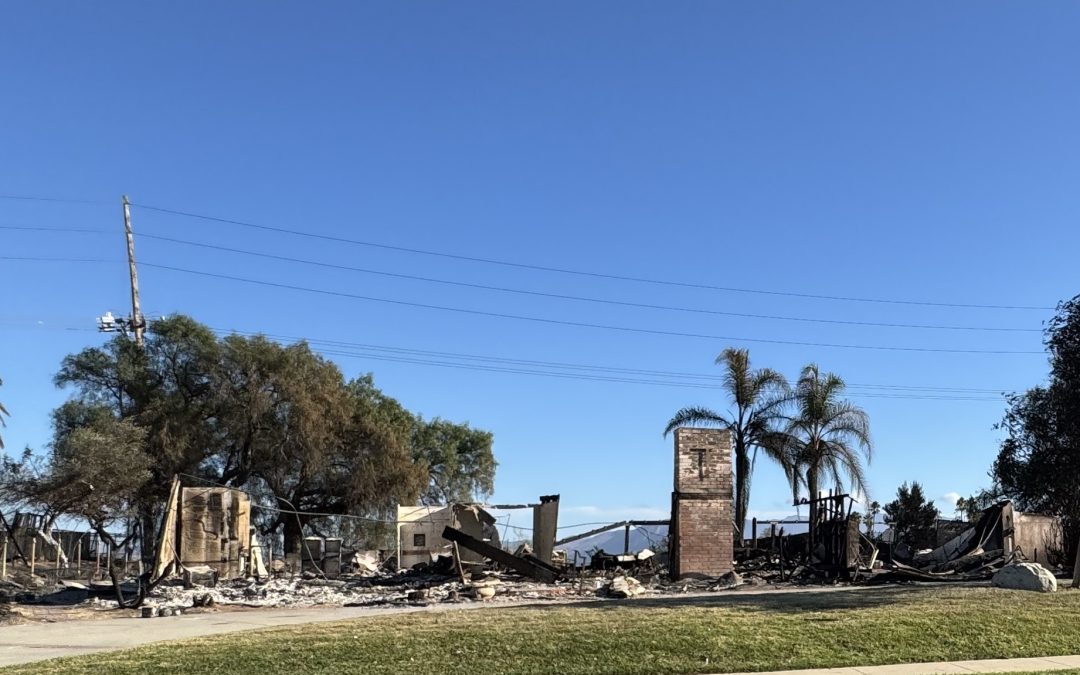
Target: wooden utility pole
x=138 y=325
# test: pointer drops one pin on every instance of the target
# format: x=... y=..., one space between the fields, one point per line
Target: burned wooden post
x=529 y=566
x=783 y=556
x=14 y=540
x=753 y=531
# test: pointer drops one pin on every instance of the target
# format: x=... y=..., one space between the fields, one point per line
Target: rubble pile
x=408 y=588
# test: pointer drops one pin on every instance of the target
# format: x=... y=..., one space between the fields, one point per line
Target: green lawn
x=722 y=632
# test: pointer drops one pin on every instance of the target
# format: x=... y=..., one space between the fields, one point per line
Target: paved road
x=38 y=641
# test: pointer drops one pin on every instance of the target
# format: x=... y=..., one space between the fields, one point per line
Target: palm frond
x=696 y=416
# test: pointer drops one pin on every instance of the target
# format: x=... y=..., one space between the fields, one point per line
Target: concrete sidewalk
x=1035 y=665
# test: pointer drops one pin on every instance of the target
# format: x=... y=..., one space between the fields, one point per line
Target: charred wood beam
x=530 y=567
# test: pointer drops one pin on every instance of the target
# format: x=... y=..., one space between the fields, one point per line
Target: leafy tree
x=1038 y=465
x=971 y=507
x=168 y=389
x=912 y=517
x=277 y=420
x=459 y=461
x=965 y=508
x=95 y=470
x=826 y=436
x=758 y=397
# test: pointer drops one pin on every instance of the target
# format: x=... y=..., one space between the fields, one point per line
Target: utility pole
x=138 y=325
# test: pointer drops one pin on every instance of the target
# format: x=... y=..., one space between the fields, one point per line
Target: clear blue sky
x=926 y=152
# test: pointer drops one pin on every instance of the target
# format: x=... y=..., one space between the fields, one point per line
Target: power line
x=56 y=259
x=570 y=366
x=679 y=385
x=27 y=228
x=580 y=324
x=59 y=200
x=560 y=270
x=555 y=368
x=561 y=296
x=513 y=367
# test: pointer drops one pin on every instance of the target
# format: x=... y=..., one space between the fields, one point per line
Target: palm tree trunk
x=812 y=489
x=742 y=488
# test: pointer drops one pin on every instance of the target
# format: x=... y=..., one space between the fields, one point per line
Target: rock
x=485 y=592
x=1025 y=577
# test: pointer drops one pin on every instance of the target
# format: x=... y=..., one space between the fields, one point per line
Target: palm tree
x=826 y=437
x=758 y=396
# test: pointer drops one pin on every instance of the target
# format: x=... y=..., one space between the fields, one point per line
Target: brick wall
x=702 y=506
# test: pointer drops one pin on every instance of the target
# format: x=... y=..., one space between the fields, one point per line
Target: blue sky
x=926 y=152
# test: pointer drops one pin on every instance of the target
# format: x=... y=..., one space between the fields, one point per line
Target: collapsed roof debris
x=983 y=549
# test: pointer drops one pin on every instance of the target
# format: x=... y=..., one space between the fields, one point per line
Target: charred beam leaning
x=528 y=566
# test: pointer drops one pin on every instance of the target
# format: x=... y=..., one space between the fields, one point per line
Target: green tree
x=971 y=507
x=912 y=518
x=458 y=458
x=1038 y=464
x=168 y=389
x=826 y=437
x=758 y=397
x=277 y=420
x=964 y=508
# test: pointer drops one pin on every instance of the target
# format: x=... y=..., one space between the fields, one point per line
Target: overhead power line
x=32 y=258
x=580 y=324
x=593 y=373
x=518 y=291
x=601 y=378
x=576 y=272
x=571 y=366
x=28 y=228
x=569 y=369
x=59 y=200
x=563 y=296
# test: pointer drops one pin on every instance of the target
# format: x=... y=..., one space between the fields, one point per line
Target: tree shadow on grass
x=856 y=597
